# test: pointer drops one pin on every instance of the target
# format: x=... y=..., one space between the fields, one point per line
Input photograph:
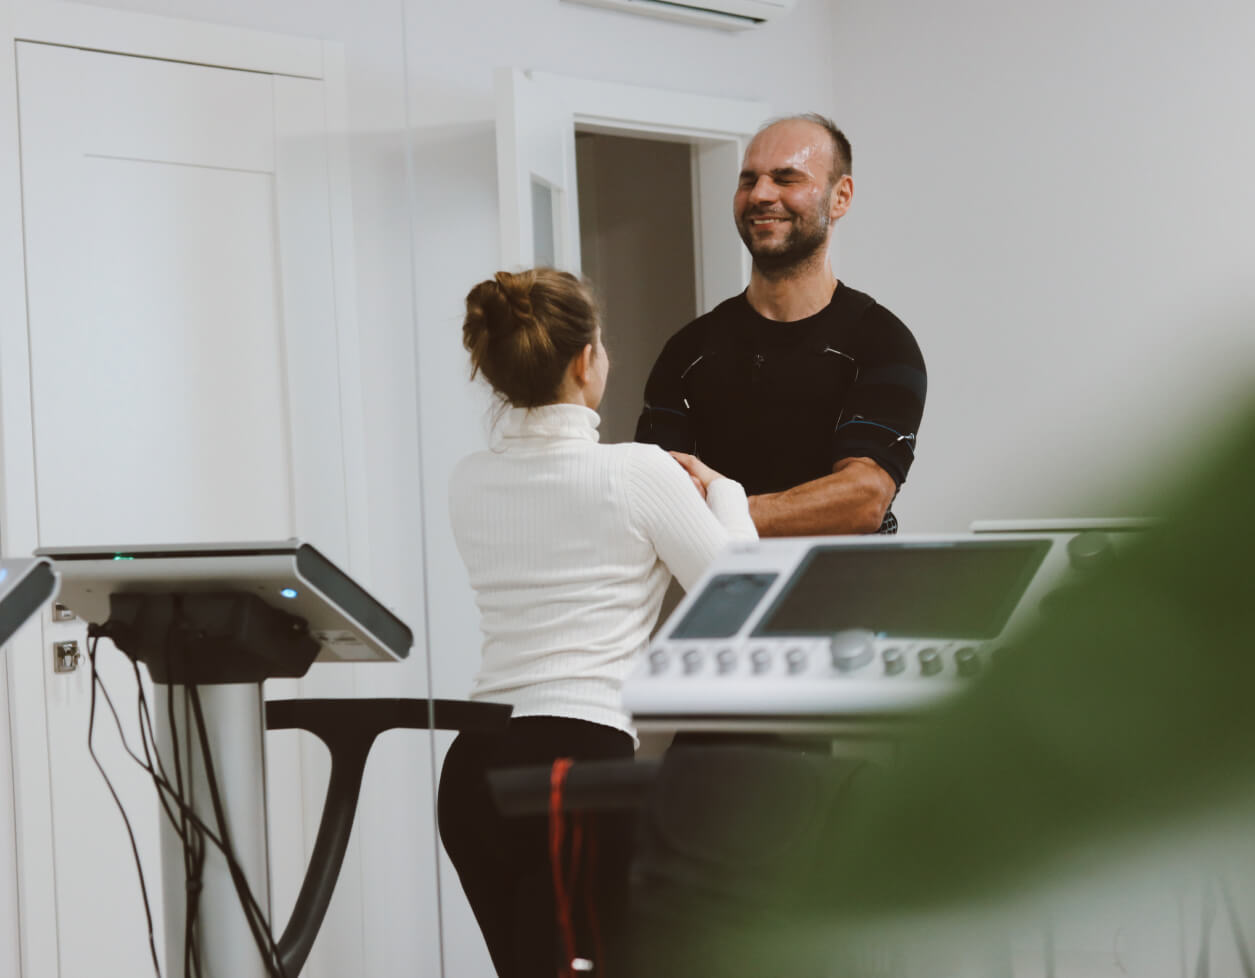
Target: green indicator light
x=123 y=557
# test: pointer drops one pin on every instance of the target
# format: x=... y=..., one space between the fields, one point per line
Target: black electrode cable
x=193 y=858
x=91 y=721
x=1244 y=952
x=253 y=912
x=192 y=838
x=159 y=780
x=256 y=918
x=1048 y=947
x=1203 y=968
x=262 y=935
x=254 y=915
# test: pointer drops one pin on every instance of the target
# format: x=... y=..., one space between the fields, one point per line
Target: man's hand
x=854 y=499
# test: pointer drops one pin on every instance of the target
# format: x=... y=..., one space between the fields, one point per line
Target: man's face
x=784 y=205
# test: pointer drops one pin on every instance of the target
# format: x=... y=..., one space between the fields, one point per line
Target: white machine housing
x=728 y=15
x=793 y=633
x=26 y=585
x=349 y=624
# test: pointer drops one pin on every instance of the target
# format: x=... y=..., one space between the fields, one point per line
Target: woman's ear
x=582 y=364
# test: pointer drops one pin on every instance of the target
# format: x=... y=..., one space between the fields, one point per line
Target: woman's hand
x=701 y=473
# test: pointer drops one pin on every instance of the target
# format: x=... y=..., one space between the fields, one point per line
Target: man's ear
x=842 y=195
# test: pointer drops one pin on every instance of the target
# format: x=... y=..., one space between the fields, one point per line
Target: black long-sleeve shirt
x=774 y=404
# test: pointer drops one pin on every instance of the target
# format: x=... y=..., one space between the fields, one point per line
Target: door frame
x=26 y=822
x=716 y=128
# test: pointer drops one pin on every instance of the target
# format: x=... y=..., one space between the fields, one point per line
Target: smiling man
x=806 y=391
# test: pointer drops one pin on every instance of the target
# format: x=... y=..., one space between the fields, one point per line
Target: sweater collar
x=550 y=421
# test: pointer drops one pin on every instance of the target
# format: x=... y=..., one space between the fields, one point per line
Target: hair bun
x=516 y=289
x=522 y=330
x=488 y=314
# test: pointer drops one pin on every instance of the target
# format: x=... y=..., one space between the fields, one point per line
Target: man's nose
x=764 y=189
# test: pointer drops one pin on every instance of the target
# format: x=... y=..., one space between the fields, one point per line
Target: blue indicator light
x=123 y=557
x=4 y=572
x=288 y=592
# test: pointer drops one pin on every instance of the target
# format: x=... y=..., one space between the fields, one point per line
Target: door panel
x=723 y=264
x=536 y=175
x=190 y=114
x=173 y=386
x=166 y=249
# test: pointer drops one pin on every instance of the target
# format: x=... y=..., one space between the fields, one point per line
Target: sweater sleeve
x=669 y=512
x=726 y=499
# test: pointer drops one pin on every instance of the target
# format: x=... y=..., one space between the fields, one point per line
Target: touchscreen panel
x=723 y=605
x=941 y=590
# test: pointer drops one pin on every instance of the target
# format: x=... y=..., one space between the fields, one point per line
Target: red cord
x=577 y=844
x=561 y=897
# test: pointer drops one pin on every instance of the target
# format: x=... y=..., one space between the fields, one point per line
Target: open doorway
x=696 y=140
x=637 y=247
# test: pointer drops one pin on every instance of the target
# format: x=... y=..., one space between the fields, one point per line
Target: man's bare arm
x=854 y=499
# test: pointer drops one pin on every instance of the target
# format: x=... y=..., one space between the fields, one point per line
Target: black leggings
x=503 y=862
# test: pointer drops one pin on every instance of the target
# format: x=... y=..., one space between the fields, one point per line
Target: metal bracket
x=65 y=656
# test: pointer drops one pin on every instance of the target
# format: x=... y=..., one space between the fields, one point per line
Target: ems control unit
x=827 y=632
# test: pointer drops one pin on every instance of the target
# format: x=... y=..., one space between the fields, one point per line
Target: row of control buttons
x=846 y=658
x=966 y=661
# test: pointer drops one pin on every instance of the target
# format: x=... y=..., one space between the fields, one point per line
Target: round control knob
x=1088 y=549
x=725 y=660
x=760 y=660
x=795 y=659
x=852 y=648
x=692 y=661
x=929 y=662
x=657 y=661
x=895 y=661
x=967 y=661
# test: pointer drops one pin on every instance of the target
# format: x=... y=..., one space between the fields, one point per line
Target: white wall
x=1056 y=198
x=10 y=960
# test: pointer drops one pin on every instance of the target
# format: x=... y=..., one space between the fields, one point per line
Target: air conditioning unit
x=728 y=15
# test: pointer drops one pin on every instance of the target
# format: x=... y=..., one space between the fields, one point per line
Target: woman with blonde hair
x=569 y=545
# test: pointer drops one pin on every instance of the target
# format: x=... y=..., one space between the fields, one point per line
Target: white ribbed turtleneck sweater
x=568 y=544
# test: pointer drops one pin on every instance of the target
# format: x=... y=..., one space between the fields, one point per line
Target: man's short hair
x=842 y=154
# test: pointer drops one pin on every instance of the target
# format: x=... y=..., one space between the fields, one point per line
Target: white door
x=537 y=116
x=540 y=223
x=184 y=387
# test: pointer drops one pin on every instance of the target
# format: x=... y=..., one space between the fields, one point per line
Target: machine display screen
x=946 y=590
x=723 y=605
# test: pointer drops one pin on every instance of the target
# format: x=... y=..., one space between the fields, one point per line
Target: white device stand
x=235 y=725
x=211 y=622
x=235 y=720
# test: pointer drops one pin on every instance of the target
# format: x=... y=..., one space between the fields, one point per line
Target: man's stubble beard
x=804 y=246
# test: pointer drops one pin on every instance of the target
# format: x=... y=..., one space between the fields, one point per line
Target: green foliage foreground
x=1129 y=709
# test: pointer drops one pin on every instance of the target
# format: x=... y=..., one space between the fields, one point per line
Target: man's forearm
x=854 y=499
